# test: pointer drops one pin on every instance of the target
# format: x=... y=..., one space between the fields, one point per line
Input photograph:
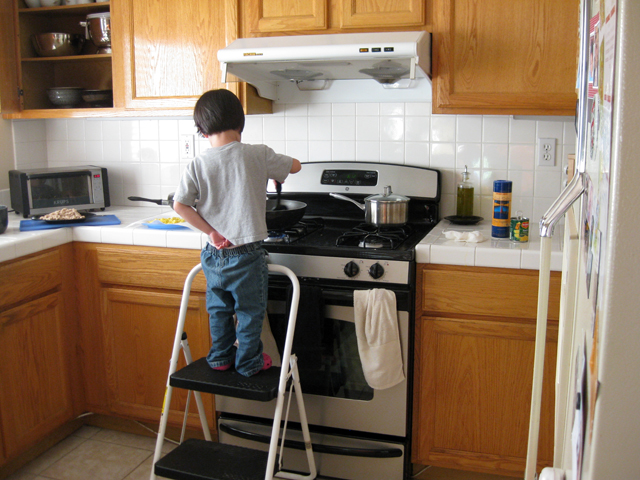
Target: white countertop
x=492 y=252
x=435 y=248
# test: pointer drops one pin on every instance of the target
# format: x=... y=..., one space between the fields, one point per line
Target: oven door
x=335 y=392
x=338 y=454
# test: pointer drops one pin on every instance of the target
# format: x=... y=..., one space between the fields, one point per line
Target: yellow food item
x=170 y=220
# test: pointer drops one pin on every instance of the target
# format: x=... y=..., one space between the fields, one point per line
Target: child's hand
x=218 y=240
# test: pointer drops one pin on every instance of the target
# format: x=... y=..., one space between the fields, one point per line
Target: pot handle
x=342 y=197
x=143 y=199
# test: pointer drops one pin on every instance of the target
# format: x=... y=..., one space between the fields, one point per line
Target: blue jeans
x=237 y=282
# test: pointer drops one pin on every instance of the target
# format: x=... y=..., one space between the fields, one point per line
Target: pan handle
x=143 y=199
x=343 y=197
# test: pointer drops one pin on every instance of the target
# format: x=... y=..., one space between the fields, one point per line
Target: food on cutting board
x=63 y=214
x=168 y=220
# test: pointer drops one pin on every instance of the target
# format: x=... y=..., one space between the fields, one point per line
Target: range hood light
x=294 y=75
x=308 y=85
x=400 y=84
x=387 y=73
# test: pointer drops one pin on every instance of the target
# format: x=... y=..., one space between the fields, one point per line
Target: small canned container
x=519 y=231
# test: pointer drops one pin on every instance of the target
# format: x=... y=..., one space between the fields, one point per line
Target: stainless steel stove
x=358 y=432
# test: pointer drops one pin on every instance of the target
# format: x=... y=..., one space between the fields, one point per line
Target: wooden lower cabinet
x=35 y=396
x=139 y=328
x=134 y=294
x=37 y=336
x=474 y=368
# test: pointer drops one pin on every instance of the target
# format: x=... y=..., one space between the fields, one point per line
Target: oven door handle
x=330 y=449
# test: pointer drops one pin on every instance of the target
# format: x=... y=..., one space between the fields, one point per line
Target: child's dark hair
x=217 y=111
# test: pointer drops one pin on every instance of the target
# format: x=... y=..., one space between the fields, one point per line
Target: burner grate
x=299 y=230
x=372 y=236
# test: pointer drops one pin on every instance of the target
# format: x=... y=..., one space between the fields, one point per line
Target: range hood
x=373 y=67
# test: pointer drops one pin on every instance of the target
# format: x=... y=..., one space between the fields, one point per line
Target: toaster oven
x=44 y=190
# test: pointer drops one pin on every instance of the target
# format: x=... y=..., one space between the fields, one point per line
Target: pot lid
x=387 y=197
x=99 y=15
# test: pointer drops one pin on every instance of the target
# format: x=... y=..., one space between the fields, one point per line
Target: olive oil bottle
x=465 y=196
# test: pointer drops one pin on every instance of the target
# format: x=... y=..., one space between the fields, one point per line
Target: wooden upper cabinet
x=268 y=16
x=505 y=57
x=380 y=13
x=278 y=17
x=166 y=51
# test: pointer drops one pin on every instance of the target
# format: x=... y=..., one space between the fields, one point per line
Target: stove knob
x=376 y=271
x=351 y=269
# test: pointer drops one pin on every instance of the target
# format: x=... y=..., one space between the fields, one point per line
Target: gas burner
x=371 y=236
x=296 y=232
x=278 y=237
x=375 y=241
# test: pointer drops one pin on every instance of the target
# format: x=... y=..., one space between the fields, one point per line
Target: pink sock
x=267 y=361
x=223 y=367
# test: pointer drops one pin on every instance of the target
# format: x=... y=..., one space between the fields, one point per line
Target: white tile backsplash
x=469 y=129
x=143 y=155
x=495 y=129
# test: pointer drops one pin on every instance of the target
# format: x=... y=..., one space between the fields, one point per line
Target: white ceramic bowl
x=32 y=3
x=50 y=3
x=65 y=97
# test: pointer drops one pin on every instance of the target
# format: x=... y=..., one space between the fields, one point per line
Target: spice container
x=465 y=196
x=501 y=216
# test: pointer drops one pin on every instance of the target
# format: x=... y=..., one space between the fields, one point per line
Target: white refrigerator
x=597 y=417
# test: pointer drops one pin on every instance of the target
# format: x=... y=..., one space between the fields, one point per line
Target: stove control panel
x=357 y=270
x=365 y=178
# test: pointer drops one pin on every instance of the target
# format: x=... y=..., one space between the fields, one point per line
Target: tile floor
x=436 y=473
x=93 y=453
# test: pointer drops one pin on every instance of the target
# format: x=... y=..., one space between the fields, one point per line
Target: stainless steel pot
x=382 y=209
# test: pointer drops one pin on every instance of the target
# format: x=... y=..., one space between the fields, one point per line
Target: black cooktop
x=348 y=238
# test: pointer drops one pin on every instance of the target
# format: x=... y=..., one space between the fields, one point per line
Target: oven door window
x=60 y=191
x=327 y=350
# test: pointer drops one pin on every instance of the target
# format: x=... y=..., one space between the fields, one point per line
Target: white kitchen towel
x=471 y=237
x=378 y=337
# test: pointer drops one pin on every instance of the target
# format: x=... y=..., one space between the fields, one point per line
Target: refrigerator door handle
x=561 y=204
x=559 y=207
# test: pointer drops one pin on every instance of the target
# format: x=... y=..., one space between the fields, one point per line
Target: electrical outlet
x=186 y=146
x=546 y=152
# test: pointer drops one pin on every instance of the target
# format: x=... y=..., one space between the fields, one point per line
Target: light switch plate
x=187 y=146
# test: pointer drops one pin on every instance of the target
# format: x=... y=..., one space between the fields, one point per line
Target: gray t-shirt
x=229 y=184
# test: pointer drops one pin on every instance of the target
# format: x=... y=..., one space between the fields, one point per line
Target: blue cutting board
x=98 y=220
